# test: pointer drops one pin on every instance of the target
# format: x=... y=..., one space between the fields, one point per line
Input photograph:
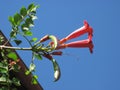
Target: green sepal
x=12 y=55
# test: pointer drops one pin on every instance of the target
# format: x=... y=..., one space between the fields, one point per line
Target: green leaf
x=4 y=88
x=18 y=42
x=32 y=67
x=32 y=7
x=11 y=20
x=27 y=33
x=3 y=64
x=3 y=68
x=13 y=34
x=34 y=80
x=33 y=17
x=17 y=18
x=24 y=27
x=57 y=72
x=1 y=40
x=12 y=55
x=33 y=39
x=3 y=79
x=15 y=29
x=16 y=81
x=29 y=22
x=16 y=67
x=38 y=56
x=14 y=89
x=23 y=11
x=27 y=72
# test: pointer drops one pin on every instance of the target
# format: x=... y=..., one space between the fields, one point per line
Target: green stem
x=27 y=40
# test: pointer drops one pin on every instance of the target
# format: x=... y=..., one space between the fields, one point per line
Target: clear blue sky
x=97 y=71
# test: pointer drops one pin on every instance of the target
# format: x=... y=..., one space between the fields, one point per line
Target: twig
x=14 y=48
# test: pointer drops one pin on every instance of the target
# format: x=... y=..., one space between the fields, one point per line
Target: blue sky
x=97 y=71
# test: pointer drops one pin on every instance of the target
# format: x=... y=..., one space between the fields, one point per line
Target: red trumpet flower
x=81 y=43
x=85 y=29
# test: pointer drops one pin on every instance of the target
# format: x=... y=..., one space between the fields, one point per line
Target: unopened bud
x=46 y=37
x=57 y=53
